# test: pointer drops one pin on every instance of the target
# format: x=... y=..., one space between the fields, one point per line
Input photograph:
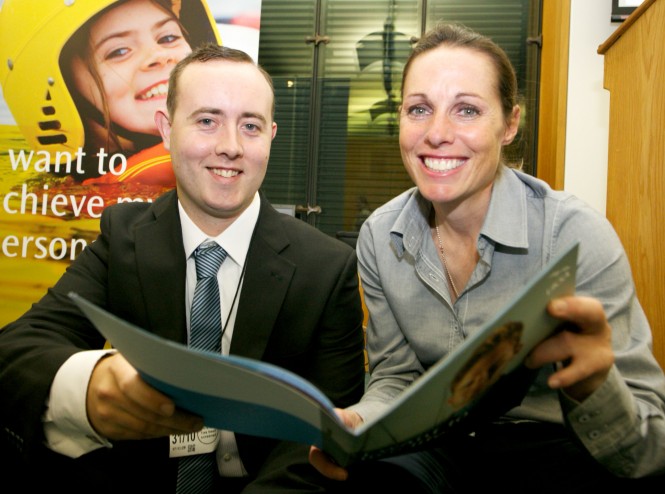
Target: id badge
x=194 y=443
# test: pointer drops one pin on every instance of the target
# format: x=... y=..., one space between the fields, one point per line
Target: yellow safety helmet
x=32 y=36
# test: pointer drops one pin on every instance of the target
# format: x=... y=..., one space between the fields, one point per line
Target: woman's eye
x=469 y=111
x=417 y=110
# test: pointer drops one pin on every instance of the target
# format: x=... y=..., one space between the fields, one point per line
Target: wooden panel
x=635 y=78
x=550 y=162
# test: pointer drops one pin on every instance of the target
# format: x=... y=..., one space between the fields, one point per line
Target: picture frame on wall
x=621 y=9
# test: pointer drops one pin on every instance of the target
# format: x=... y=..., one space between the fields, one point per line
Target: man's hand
x=321 y=461
x=582 y=351
x=120 y=405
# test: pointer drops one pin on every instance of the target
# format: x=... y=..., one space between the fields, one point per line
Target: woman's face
x=134 y=47
x=452 y=127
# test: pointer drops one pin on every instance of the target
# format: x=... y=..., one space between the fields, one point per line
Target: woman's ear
x=513 y=125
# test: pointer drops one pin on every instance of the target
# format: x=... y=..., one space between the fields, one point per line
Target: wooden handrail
x=618 y=32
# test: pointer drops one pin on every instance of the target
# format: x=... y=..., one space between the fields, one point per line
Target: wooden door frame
x=553 y=80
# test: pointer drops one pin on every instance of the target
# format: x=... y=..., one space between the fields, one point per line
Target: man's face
x=219 y=137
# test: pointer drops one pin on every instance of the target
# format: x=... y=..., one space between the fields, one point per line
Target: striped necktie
x=196 y=473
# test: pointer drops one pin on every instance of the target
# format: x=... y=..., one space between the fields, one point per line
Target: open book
x=253 y=397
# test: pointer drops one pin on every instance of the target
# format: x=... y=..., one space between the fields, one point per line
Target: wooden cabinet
x=635 y=78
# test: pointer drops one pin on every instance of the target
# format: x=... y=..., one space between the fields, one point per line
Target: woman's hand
x=583 y=350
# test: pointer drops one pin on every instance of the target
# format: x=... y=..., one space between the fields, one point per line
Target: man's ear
x=164 y=126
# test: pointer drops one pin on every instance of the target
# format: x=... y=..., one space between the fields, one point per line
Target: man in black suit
x=76 y=415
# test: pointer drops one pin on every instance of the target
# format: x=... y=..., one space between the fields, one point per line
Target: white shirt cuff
x=66 y=424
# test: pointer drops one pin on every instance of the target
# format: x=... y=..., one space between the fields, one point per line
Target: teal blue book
x=481 y=379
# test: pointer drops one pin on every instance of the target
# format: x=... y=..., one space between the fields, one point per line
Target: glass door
x=337 y=68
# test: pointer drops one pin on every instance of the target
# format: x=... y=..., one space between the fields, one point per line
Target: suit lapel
x=266 y=281
x=161 y=264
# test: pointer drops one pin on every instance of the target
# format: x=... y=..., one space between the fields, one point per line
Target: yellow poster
x=81 y=81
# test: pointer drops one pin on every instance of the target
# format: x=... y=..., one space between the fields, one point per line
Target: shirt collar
x=411 y=224
x=505 y=222
x=235 y=239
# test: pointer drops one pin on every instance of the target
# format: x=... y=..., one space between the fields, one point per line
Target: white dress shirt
x=235 y=241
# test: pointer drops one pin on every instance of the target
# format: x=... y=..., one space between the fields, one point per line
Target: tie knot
x=209 y=258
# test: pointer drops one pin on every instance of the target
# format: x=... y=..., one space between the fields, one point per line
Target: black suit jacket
x=299 y=309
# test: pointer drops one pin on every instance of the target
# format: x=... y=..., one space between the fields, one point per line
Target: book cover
x=481 y=379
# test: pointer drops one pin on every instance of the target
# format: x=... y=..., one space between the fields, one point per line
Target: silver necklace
x=443 y=258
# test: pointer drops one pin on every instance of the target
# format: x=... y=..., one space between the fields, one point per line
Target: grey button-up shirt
x=413 y=324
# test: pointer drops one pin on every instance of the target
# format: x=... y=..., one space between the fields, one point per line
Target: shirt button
x=227 y=457
x=594 y=434
x=584 y=418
